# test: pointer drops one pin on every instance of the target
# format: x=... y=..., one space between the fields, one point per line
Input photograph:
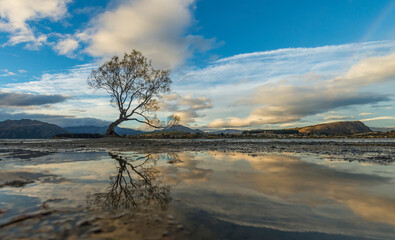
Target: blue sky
x=250 y=26
x=235 y=64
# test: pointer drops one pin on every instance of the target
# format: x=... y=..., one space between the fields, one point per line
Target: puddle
x=195 y=195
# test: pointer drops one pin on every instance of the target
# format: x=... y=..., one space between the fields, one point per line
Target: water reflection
x=136 y=184
x=185 y=169
x=227 y=193
x=290 y=178
x=286 y=192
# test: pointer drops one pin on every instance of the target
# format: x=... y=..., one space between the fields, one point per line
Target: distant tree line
x=278 y=131
x=78 y=135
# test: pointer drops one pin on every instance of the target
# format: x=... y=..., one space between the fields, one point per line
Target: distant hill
x=28 y=129
x=180 y=128
x=349 y=127
x=102 y=130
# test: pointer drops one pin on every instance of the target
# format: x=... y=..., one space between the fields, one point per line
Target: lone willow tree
x=135 y=87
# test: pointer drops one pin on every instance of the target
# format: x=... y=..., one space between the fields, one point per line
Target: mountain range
x=32 y=129
x=27 y=128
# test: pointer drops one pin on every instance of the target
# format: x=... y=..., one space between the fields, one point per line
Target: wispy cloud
x=70 y=82
x=6 y=73
x=289 y=63
x=288 y=85
x=285 y=101
x=379 y=118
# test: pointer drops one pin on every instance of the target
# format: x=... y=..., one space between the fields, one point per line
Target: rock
x=110 y=229
x=118 y=216
x=16 y=183
x=96 y=230
x=180 y=227
x=83 y=223
x=66 y=229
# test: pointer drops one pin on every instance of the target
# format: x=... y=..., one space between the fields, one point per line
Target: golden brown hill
x=348 y=127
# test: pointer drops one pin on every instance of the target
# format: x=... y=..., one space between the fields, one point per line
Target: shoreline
x=379 y=151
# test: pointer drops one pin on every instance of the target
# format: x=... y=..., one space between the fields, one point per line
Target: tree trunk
x=111 y=129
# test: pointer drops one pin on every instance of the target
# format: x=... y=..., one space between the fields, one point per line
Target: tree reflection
x=136 y=184
x=173 y=158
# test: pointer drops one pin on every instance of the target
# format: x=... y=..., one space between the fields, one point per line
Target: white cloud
x=157 y=28
x=369 y=71
x=66 y=46
x=15 y=15
x=193 y=103
x=254 y=119
x=186 y=107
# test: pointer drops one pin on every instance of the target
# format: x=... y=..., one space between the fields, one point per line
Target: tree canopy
x=135 y=87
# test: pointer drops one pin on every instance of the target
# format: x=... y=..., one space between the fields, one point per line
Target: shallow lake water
x=213 y=195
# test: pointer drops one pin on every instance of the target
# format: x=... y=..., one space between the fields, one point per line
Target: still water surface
x=215 y=194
